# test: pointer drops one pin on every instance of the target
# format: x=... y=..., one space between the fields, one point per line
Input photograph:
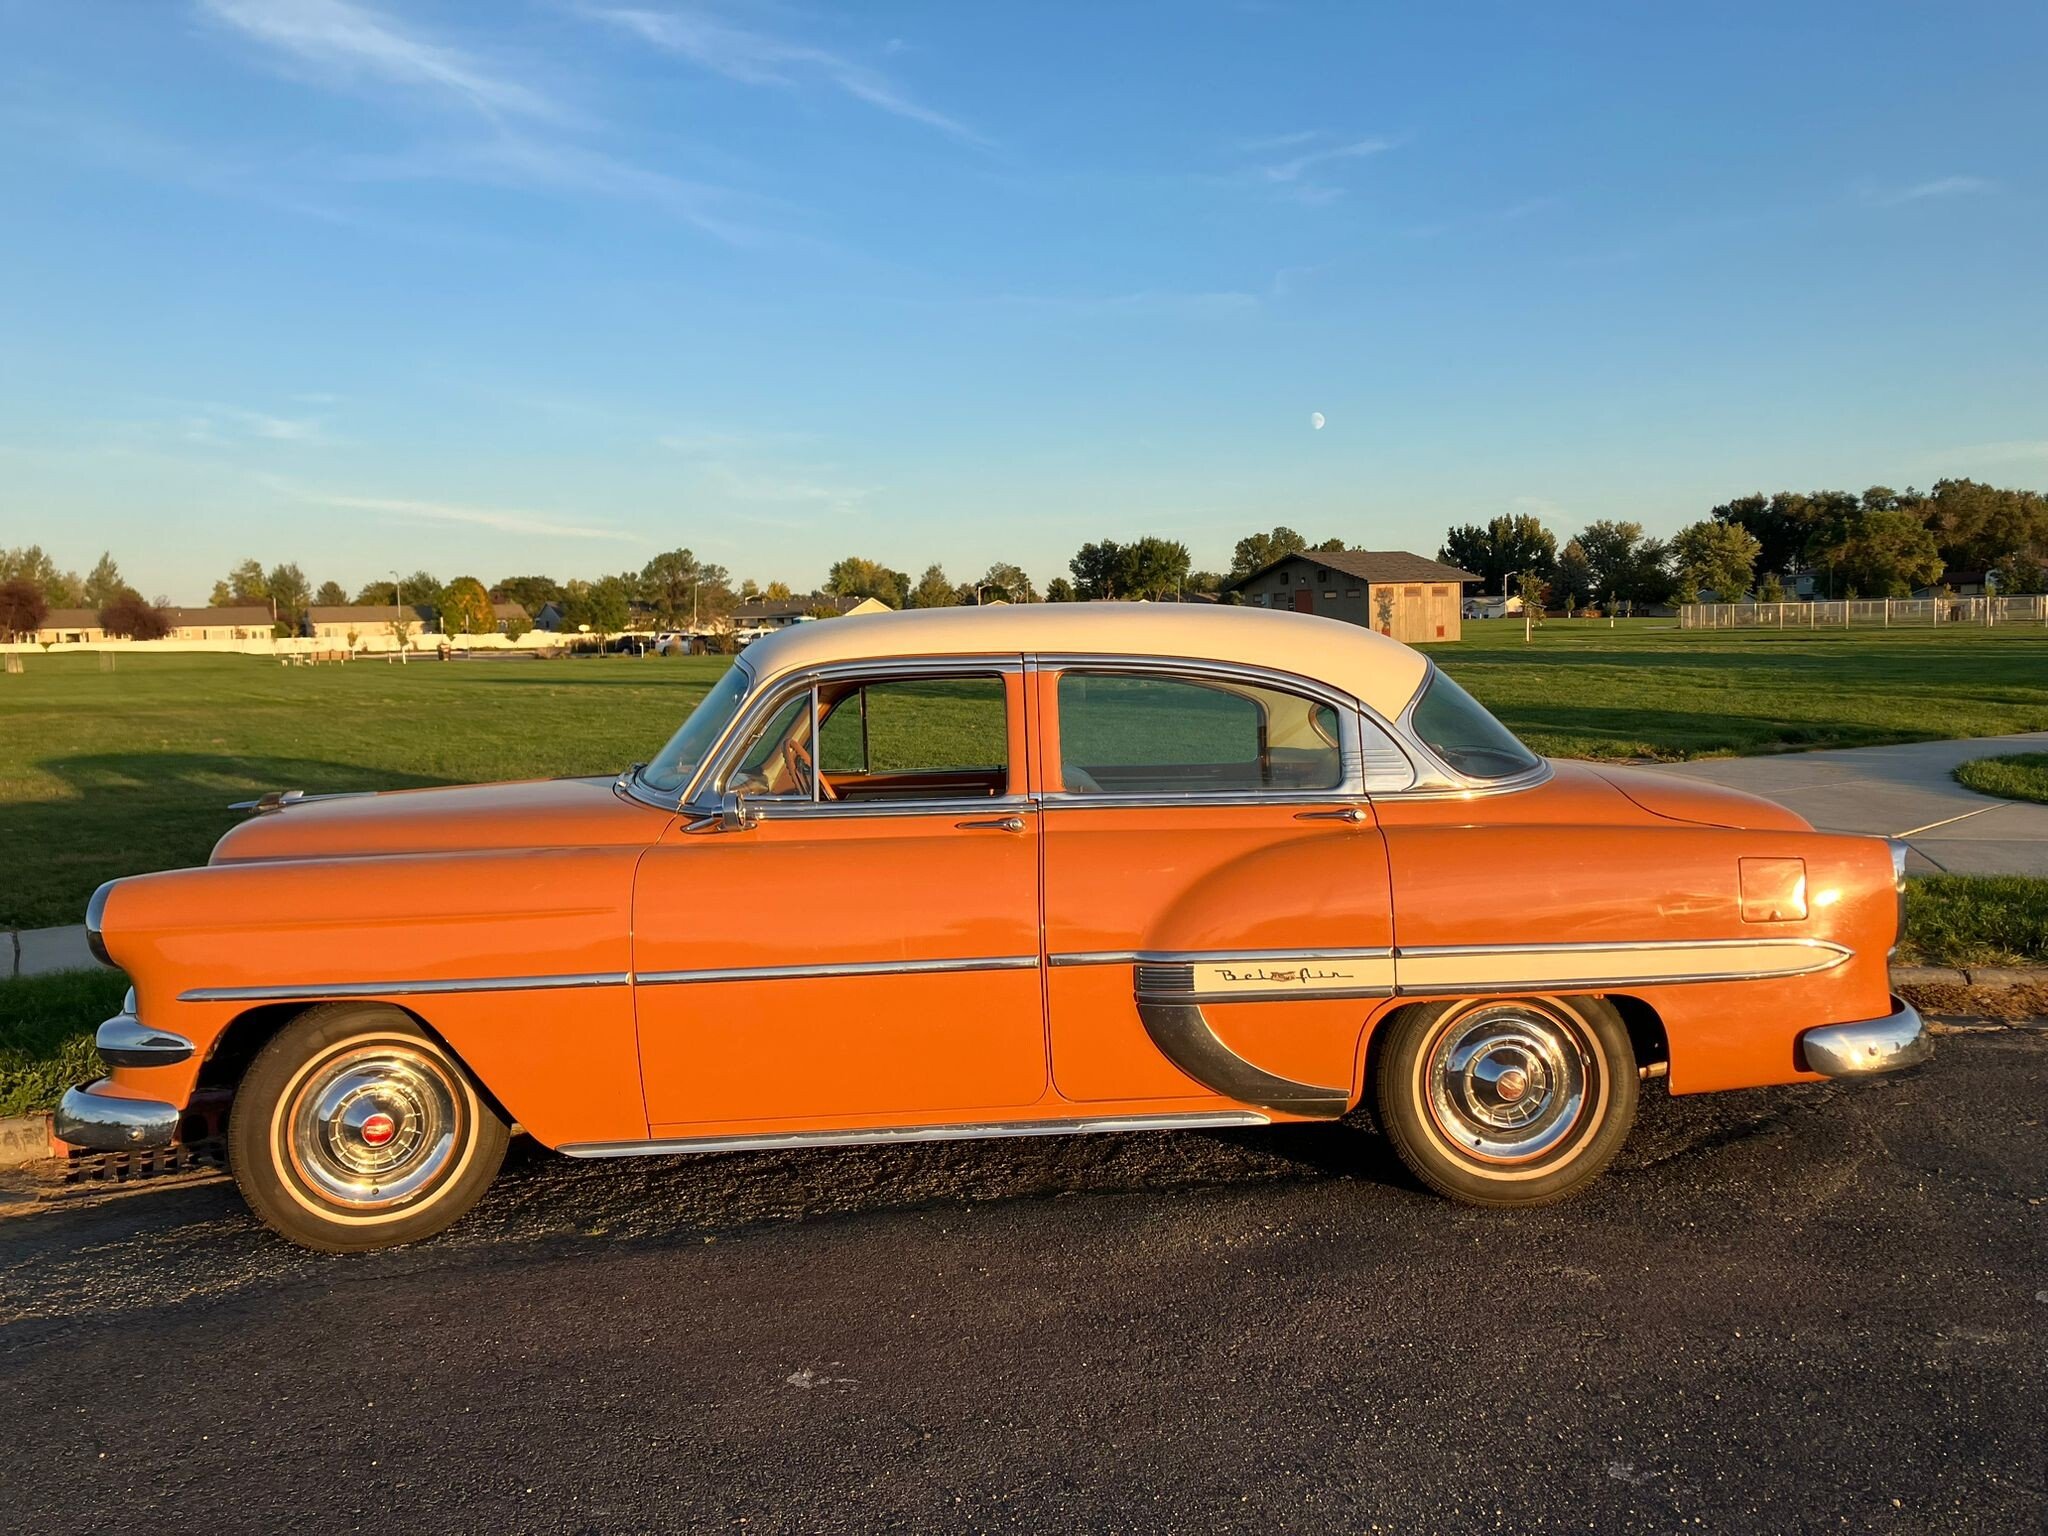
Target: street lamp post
x=398 y=615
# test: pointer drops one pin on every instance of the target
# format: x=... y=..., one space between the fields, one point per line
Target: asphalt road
x=1819 y=1308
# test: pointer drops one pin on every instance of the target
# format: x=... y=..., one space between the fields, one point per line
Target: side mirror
x=734 y=814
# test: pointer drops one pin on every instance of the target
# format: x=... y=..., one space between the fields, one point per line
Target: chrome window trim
x=1451 y=784
x=843 y=968
x=806 y=810
x=768 y=1141
x=1351 y=715
x=403 y=988
x=701 y=797
x=630 y=784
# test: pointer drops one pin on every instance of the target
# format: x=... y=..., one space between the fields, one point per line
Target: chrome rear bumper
x=100 y=1122
x=1889 y=1044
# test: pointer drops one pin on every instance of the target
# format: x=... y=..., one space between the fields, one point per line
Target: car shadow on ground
x=198 y=1238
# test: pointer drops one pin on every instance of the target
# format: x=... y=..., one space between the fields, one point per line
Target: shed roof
x=1389 y=565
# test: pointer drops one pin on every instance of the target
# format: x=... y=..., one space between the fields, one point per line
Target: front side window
x=1458 y=729
x=882 y=739
x=1141 y=734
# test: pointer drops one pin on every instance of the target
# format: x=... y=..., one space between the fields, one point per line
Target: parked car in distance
x=1031 y=870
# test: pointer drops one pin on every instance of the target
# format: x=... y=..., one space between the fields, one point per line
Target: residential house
x=764 y=616
x=334 y=623
x=254 y=622
x=70 y=626
x=1396 y=593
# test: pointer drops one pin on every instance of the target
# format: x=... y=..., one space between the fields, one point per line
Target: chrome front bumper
x=100 y=1122
x=1890 y=1044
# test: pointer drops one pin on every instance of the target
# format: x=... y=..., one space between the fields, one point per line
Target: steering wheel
x=797 y=763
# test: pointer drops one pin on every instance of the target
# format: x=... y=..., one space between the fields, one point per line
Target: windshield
x=677 y=763
x=1458 y=729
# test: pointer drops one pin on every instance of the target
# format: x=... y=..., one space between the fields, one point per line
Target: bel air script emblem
x=1312 y=975
x=1265 y=976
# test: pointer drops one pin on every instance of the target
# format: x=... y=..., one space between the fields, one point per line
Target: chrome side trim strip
x=776 y=1140
x=401 y=988
x=848 y=968
x=125 y=1041
x=1481 y=968
x=1211 y=956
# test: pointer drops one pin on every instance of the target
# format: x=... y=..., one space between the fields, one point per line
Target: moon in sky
x=1315 y=420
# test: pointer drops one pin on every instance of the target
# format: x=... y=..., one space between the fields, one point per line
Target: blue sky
x=551 y=285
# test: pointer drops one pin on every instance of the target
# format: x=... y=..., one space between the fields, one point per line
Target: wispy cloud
x=354 y=43
x=759 y=58
x=1309 y=175
x=500 y=519
x=1920 y=191
x=1148 y=301
x=733 y=467
x=213 y=423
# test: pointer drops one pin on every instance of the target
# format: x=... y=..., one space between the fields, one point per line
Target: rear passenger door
x=1217 y=915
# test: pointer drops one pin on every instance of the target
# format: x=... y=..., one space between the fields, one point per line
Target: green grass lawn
x=1976 y=920
x=117 y=772
x=46 y=1028
x=1651 y=690
x=2019 y=776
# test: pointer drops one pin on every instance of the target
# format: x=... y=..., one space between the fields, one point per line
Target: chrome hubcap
x=375 y=1127
x=1508 y=1083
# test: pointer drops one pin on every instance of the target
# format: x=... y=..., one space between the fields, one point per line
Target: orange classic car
x=1008 y=871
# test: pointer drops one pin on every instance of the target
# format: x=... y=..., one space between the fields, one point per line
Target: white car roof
x=1380 y=673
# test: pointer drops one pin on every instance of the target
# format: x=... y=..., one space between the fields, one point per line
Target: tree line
x=1881 y=543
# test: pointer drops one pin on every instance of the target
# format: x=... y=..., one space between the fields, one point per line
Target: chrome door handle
x=994 y=824
x=1350 y=813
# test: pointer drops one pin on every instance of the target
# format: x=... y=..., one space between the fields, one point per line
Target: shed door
x=1304 y=600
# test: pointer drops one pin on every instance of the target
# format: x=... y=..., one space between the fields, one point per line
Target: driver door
x=867 y=950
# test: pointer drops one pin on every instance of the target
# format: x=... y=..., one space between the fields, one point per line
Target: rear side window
x=1458 y=729
x=1143 y=734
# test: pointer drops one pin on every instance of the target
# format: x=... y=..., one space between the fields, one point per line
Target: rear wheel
x=354 y=1129
x=1505 y=1102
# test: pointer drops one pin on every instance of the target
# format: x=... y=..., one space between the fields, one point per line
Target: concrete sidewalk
x=38 y=951
x=1905 y=791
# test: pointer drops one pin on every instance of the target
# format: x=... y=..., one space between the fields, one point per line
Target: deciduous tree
x=858 y=577
x=1716 y=556
x=933 y=590
x=466 y=608
x=332 y=594
x=1890 y=554
x=1256 y=551
x=1059 y=590
x=1008 y=581
x=103 y=584
x=59 y=588
x=129 y=616
x=1505 y=547
x=290 y=593
x=248 y=584
x=22 y=607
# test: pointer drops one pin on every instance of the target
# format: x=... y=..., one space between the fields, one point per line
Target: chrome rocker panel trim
x=315 y=992
x=888 y=1136
x=99 y=1122
x=125 y=1041
x=1865 y=1049
x=843 y=968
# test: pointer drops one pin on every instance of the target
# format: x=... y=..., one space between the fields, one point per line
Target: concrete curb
x=1994 y=991
x=25 y=1139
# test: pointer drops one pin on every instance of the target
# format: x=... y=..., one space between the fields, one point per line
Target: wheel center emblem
x=378 y=1129
x=1512 y=1084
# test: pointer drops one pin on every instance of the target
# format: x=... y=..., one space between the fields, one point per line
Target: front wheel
x=1506 y=1102
x=355 y=1129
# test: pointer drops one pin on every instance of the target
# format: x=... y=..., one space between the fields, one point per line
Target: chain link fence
x=1867 y=613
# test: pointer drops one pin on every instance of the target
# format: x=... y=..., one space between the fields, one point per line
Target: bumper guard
x=101 y=1122
x=1890 y=1044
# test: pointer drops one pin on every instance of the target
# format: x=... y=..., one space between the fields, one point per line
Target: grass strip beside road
x=46 y=1029
x=2020 y=776
x=47 y=1022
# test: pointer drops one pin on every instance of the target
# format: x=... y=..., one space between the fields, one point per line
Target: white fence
x=1867 y=613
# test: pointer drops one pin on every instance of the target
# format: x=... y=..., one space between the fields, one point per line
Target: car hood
x=541 y=813
x=1681 y=799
